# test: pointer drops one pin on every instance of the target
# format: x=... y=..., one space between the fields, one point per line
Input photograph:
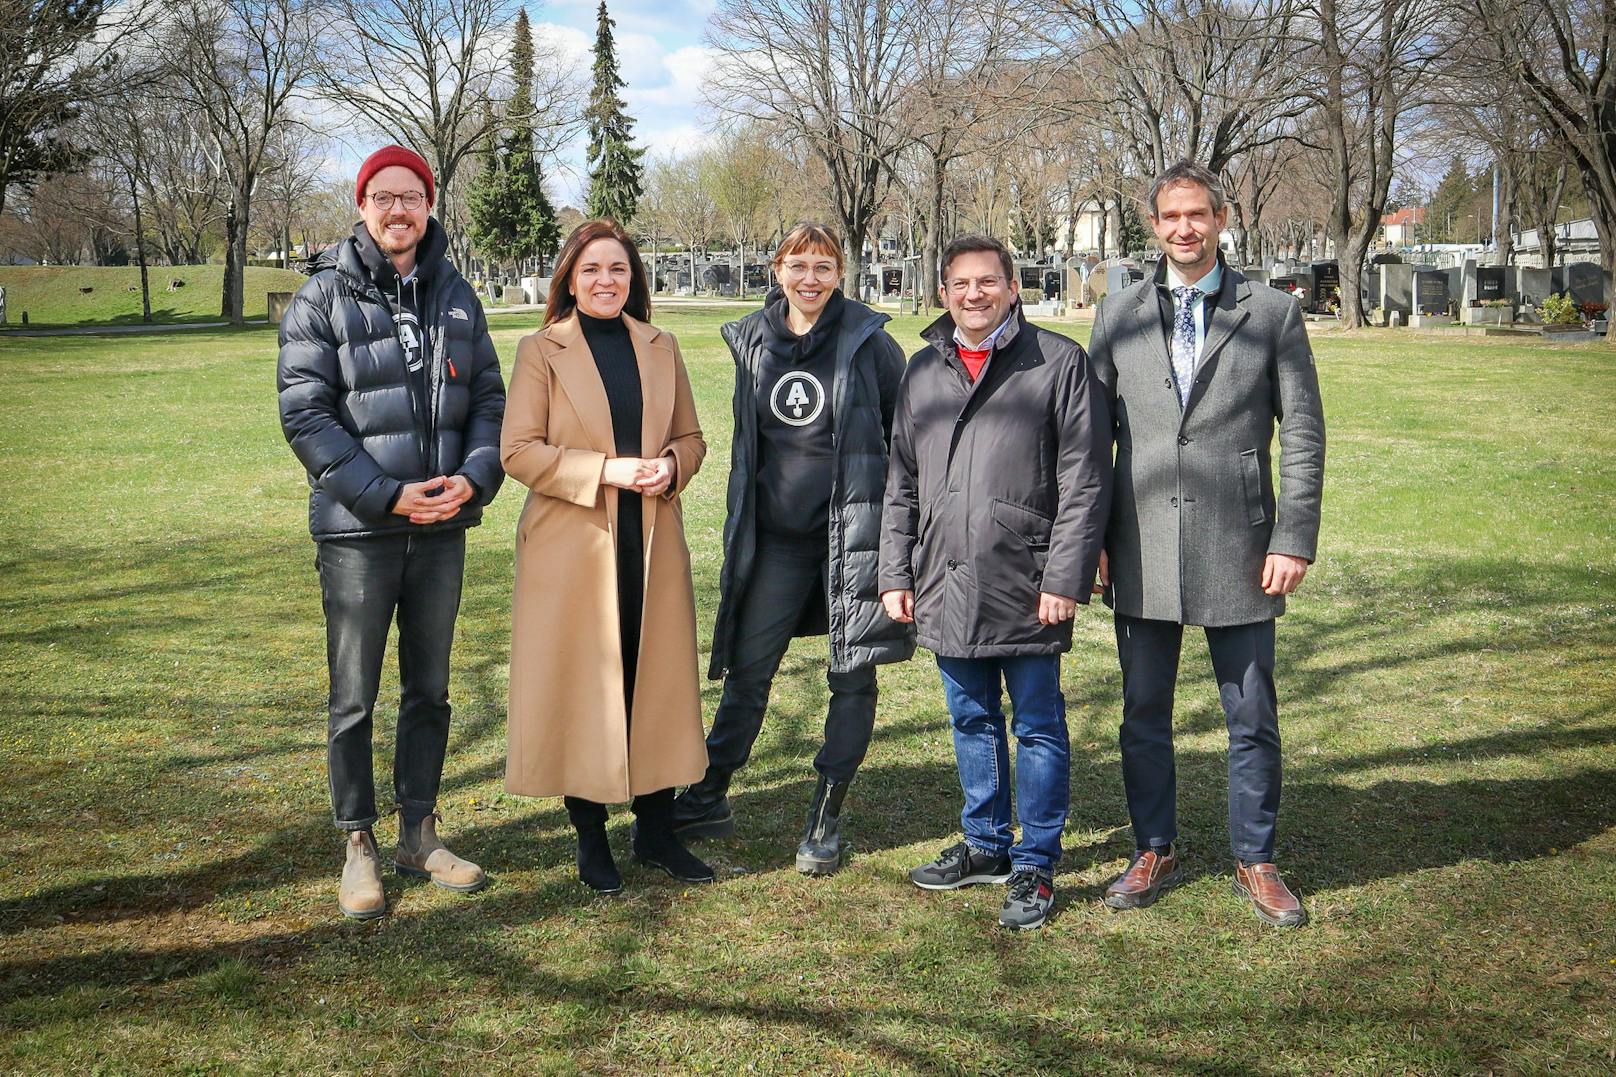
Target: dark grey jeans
x=1243 y=661
x=364 y=583
x=784 y=580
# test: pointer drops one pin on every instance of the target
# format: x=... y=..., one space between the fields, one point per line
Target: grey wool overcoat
x=1194 y=511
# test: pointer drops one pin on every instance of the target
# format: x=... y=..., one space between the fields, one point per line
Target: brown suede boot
x=361 y=896
x=421 y=854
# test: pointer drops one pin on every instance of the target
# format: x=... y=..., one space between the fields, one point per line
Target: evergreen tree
x=511 y=217
x=615 y=172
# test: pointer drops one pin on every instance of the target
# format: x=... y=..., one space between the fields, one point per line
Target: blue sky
x=662 y=59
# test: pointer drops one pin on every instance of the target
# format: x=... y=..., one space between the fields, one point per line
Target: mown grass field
x=1447 y=697
x=55 y=296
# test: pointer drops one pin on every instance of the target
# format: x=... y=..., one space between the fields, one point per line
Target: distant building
x=1397 y=229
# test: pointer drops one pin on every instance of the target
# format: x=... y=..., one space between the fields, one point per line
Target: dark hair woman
x=816 y=380
x=601 y=427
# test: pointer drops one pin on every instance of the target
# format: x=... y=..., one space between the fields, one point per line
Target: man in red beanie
x=391 y=397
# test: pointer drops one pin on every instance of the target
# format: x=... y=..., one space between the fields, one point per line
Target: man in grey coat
x=1200 y=366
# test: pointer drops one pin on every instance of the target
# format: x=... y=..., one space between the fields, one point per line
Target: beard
x=392 y=244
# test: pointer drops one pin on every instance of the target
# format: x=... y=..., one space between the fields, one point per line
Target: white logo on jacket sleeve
x=456 y=312
x=798 y=398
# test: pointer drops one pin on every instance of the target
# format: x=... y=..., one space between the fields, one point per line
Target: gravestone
x=1456 y=278
x=1586 y=283
x=1119 y=277
x=1431 y=292
x=1255 y=276
x=278 y=302
x=1490 y=284
x=1396 y=289
x=1326 y=290
x=1532 y=287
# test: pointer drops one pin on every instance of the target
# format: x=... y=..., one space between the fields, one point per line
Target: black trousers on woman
x=785 y=577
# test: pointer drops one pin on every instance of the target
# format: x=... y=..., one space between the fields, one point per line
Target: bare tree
x=1561 y=53
x=740 y=172
x=1365 y=75
x=830 y=74
x=1204 y=80
x=679 y=198
x=238 y=65
x=423 y=72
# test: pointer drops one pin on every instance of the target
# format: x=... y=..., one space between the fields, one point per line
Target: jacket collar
x=580 y=380
x=940 y=333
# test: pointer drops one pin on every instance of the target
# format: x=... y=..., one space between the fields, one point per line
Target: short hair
x=561 y=302
x=977 y=244
x=809 y=237
x=1186 y=172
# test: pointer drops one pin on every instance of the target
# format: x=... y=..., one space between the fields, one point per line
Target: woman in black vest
x=815 y=385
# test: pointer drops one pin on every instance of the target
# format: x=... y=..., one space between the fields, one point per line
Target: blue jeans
x=1043 y=754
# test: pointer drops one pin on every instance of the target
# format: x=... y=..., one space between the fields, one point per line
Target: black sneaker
x=1027 y=905
x=960 y=865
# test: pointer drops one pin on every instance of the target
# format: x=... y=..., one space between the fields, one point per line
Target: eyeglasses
x=961 y=285
x=410 y=200
x=802 y=270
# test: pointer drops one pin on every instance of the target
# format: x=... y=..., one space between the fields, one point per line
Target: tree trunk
x=930 y=268
x=140 y=253
x=235 y=259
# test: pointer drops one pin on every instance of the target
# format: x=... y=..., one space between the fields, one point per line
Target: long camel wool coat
x=567 y=730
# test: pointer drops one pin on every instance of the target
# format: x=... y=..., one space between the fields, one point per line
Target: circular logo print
x=798 y=398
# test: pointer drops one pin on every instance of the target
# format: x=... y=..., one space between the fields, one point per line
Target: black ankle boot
x=655 y=844
x=821 y=850
x=702 y=810
x=596 y=869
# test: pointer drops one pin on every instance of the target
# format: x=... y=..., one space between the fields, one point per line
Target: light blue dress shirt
x=1208 y=286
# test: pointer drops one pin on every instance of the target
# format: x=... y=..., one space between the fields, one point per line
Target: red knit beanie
x=386 y=157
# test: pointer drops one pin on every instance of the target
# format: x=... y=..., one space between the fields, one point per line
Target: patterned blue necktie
x=1184 y=341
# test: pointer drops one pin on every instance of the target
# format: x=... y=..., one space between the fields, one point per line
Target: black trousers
x=1243 y=660
x=364 y=583
x=785 y=578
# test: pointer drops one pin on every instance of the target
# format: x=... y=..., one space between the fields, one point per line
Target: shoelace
x=1024 y=885
x=954 y=854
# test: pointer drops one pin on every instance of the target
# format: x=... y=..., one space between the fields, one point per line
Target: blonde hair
x=809 y=237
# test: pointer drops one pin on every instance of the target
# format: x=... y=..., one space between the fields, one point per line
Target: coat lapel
x=1229 y=315
x=574 y=365
x=1149 y=324
x=655 y=358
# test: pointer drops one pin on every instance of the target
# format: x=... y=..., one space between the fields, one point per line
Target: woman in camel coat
x=604 y=697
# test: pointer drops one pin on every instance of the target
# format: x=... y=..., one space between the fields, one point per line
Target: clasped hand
x=433 y=500
x=648 y=477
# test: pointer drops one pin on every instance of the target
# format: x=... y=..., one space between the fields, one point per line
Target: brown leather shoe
x=1261 y=885
x=1146 y=878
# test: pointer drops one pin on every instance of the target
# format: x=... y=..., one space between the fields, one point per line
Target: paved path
x=92 y=330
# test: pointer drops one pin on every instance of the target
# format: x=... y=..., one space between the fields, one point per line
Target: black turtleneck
x=796 y=453
x=619 y=370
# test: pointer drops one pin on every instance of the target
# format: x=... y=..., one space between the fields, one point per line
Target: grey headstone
x=1396 y=288
x=1587 y=283
x=278 y=302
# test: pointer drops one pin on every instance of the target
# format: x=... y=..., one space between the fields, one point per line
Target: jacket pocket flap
x=1029 y=524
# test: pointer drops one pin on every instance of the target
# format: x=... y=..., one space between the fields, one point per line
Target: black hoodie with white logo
x=795 y=447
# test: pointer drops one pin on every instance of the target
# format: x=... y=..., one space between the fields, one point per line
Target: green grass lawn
x=1449 y=708
x=56 y=296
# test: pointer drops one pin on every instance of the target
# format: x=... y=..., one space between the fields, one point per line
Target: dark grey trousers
x=1243 y=661
x=364 y=583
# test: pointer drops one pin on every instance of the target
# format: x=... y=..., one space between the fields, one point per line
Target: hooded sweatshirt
x=796 y=454
x=405 y=298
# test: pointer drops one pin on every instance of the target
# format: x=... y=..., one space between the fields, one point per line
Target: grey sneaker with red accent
x=1031 y=896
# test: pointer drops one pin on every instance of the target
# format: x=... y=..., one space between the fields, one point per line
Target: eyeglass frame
x=375 y=198
x=803 y=271
x=959 y=286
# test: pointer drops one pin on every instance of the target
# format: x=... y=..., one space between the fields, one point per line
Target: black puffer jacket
x=345 y=400
x=869 y=367
x=999 y=489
